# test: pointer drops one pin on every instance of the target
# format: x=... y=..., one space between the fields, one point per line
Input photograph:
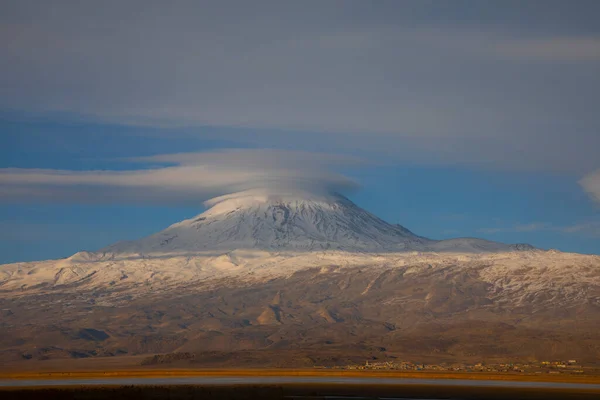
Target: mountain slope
x=288 y=306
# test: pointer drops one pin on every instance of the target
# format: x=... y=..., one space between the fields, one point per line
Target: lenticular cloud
x=188 y=178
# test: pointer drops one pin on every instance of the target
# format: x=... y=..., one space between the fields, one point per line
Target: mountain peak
x=276 y=221
x=290 y=220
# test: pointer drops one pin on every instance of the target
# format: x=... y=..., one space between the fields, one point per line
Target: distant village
x=541 y=367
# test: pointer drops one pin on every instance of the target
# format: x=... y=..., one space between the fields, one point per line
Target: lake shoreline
x=295 y=391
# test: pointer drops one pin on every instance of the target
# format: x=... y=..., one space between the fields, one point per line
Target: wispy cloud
x=591 y=184
x=571 y=49
x=591 y=228
x=193 y=178
x=587 y=228
x=531 y=227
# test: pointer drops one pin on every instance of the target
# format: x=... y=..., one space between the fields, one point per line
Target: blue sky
x=478 y=119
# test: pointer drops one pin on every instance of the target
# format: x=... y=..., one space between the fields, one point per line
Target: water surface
x=270 y=380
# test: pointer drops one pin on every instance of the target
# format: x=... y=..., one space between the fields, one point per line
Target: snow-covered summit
x=289 y=220
x=277 y=221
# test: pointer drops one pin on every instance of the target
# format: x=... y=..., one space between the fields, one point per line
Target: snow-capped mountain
x=297 y=221
x=298 y=274
x=275 y=222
